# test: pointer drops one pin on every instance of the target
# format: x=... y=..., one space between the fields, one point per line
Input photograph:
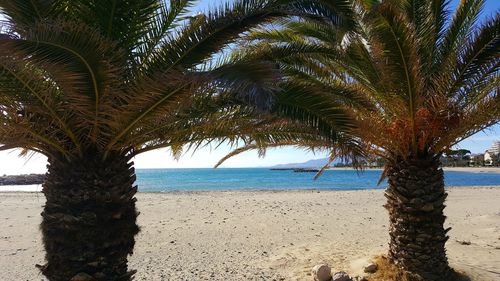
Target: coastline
x=262 y=235
x=13 y=189
x=261 y=178
x=450 y=169
x=474 y=169
x=21 y=188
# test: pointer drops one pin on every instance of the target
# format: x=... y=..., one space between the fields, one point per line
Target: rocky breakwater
x=22 y=179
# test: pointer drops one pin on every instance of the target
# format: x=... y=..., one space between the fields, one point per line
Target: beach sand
x=474 y=169
x=261 y=235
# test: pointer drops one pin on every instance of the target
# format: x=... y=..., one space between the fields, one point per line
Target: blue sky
x=10 y=163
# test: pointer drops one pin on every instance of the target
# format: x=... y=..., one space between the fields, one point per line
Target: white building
x=495 y=148
x=488 y=154
x=488 y=161
x=476 y=159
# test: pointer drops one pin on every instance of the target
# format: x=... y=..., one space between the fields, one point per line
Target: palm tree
x=413 y=80
x=91 y=84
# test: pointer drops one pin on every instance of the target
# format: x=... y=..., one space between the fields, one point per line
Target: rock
x=322 y=272
x=341 y=276
x=371 y=268
x=82 y=277
x=22 y=179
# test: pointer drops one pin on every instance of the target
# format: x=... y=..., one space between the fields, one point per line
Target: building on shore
x=491 y=156
x=476 y=160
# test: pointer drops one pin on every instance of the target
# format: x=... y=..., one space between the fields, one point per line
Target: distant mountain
x=315 y=163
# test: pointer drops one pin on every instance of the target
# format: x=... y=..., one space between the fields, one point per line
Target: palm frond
x=479 y=56
x=340 y=13
x=459 y=29
x=27 y=12
x=408 y=80
x=25 y=95
x=164 y=21
x=205 y=35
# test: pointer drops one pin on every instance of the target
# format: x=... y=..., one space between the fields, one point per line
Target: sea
x=168 y=180
x=164 y=180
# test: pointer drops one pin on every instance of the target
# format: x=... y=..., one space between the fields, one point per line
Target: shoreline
x=252 y=235
x=305 y=183
x=449 y=169
x=473 y=169
x=28 y=189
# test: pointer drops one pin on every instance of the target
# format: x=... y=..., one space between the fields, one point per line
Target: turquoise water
x=261 y=178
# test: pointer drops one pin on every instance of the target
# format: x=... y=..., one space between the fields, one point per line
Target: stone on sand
x=370 y=268
x=322 y=272
x=341 y=276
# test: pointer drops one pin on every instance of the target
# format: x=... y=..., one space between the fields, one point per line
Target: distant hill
x=315 y=163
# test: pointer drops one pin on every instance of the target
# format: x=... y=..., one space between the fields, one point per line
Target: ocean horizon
x=206 y=179
x=209 y=179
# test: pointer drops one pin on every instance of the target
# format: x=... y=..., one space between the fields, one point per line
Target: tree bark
x=89 y=220
x=415 y=201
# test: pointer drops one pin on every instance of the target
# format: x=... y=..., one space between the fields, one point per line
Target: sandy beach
x=474 y=169
x=262 y=235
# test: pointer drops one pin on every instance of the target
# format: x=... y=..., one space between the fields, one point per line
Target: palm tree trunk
x=415 y=201
x=89 y=220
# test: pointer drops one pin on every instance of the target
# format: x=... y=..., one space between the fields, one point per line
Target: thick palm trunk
x=89 y=220
x=415 y=201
